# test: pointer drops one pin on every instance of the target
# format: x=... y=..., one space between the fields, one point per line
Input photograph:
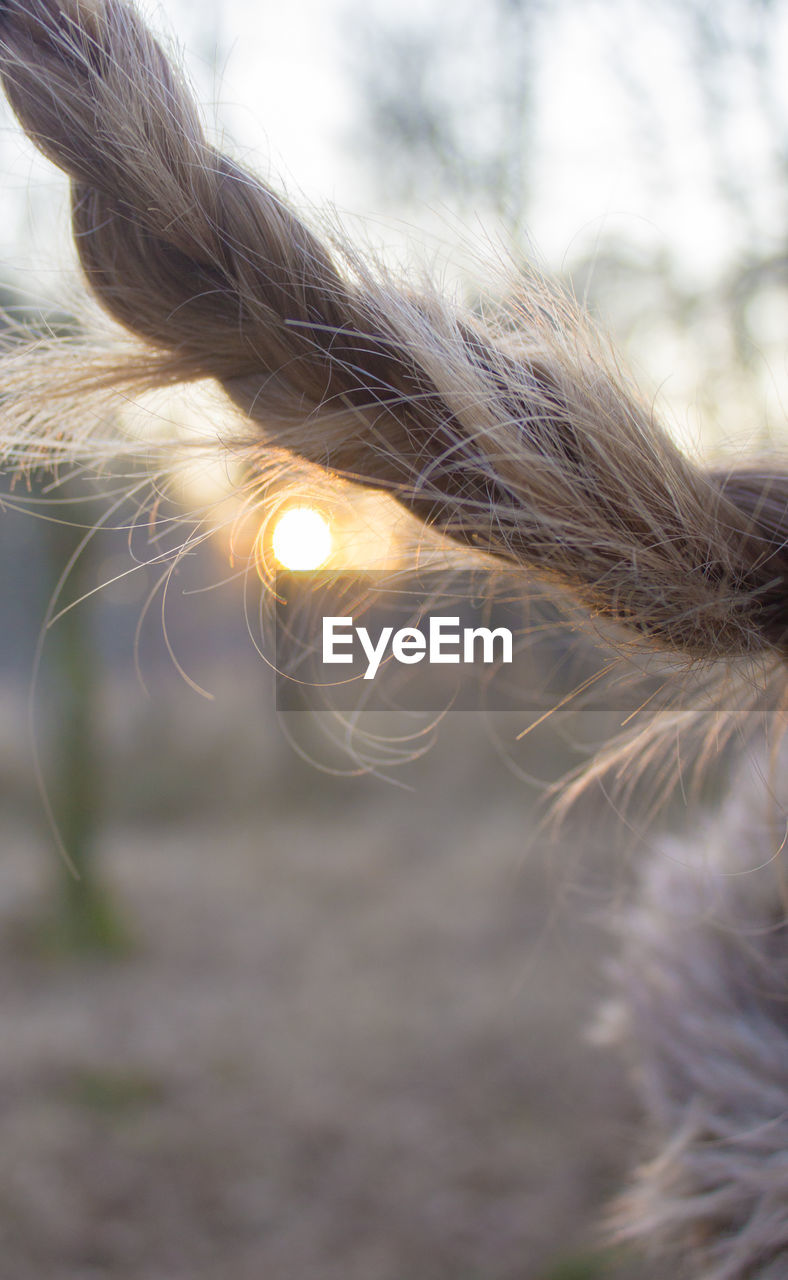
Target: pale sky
x=286 y=99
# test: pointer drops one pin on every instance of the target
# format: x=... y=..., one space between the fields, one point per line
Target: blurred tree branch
x=449 y=111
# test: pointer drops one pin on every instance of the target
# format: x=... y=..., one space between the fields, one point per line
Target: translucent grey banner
x=430 y=641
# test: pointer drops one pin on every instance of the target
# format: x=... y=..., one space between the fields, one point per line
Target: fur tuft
x=704 y=980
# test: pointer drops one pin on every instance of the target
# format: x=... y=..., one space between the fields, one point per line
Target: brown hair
x=516 y=435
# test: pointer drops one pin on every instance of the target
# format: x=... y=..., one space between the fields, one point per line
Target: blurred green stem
x=85 y=917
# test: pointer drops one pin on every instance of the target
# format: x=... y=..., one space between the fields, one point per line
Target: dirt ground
x=348 y=1038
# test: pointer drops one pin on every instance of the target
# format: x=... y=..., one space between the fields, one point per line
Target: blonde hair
x=515 y=434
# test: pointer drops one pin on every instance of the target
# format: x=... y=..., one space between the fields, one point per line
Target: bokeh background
x=296 y=1019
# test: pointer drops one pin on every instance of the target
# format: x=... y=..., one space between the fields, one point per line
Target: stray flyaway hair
x=515 y=434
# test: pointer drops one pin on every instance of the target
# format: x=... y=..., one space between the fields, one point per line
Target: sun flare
x=302 y=539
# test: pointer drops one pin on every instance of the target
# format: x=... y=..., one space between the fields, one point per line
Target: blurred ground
x=348 y=1040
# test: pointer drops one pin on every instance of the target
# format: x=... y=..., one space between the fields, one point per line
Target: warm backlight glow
x=302 y=539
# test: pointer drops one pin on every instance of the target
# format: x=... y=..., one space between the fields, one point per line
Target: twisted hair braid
x=519 y=439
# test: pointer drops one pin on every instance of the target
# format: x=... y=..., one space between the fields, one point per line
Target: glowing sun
x=302 y=539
